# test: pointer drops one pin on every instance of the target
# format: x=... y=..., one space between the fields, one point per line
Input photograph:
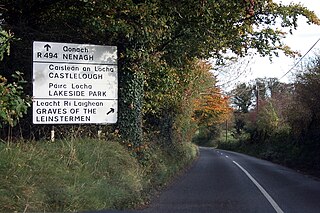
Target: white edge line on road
x=263 y=191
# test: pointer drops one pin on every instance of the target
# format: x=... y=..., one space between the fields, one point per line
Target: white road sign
x=74 y=83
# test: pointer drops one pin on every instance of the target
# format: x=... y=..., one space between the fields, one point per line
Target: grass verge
x=80 y=175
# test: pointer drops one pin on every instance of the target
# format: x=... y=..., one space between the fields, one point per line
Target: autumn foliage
x=212 y=107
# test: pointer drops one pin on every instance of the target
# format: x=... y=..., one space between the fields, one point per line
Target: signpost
x=74 y=83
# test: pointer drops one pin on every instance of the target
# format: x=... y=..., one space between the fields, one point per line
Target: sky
x=302 y=40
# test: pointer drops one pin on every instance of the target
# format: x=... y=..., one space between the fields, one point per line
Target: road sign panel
x=74 y=83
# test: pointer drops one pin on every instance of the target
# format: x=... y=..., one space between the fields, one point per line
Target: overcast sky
x=301 y=40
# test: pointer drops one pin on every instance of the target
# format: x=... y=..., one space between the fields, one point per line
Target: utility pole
x=227 y=130
x=257 y=99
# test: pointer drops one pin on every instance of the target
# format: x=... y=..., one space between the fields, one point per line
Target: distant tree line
x=281 y=119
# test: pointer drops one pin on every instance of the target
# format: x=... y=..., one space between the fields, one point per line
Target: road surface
x=222 y=181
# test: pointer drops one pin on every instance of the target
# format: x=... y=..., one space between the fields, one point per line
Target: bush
x=206 y=135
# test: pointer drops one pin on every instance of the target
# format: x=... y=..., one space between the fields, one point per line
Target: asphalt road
x=223 y=181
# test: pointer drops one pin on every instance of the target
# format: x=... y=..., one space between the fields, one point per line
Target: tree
x=177 y=30
x=174 y=33
x=307 y=121
x=268 y=116
x=242 y=97
x=267 y=88
x=212 y=107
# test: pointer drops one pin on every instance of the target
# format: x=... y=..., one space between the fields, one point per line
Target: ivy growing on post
x=130 y=107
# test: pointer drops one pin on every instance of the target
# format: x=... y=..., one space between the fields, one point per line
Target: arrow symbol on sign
x=111 y=111
x=47 y=46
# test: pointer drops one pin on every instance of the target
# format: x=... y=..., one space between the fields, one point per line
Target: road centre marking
x=262 y=190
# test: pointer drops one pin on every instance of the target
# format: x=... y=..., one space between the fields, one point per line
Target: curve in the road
x=223 y=181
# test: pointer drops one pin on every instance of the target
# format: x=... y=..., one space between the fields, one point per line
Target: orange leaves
x=212 y=107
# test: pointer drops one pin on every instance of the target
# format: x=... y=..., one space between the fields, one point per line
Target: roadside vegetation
x=167 y=93
x=278 y=121
x=84 y=174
